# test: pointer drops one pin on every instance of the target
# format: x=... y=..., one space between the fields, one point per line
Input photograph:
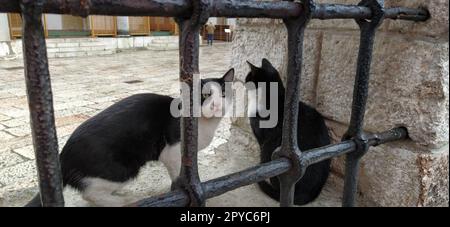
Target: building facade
x=61 y=26
x=71 y=36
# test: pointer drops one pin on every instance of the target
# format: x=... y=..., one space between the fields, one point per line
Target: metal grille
x=289 y=163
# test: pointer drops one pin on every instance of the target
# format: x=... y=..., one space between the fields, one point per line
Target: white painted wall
x=123 y=25
x=4 y=27
x=54 y=22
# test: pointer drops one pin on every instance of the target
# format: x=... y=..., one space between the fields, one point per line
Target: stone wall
x=408 y=87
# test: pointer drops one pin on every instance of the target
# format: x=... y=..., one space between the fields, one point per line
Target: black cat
x=109 y=149
x=312 y=133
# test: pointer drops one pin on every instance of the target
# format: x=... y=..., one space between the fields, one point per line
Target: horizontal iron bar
x=388 y=136
x=339 y=11
x=220 y=185
x=255 y=174
x=216 y=187
x=219 y=8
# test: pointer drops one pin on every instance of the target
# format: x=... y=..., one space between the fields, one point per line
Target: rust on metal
x=40 y=101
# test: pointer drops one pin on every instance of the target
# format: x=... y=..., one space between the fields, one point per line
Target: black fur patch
x=312 y=133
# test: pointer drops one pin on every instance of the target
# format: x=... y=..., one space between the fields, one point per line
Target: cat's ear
x=267 y=65
x=229 y=76
x=253 y=68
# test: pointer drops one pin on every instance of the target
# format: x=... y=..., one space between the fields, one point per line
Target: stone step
x=76 y=49
x=162 y=46
x=71 y=40
x=92 y=44
x=72 y=44
x=68 y=47
x=165 y=41
x=80 y=53
x=79 y=47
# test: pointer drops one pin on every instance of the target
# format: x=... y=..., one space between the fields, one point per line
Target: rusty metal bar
x=339 y=11
x=219 y=186
x=289 y=144
x=189 y=67
x=219 y=8
x=40 y=101
x=360 y=94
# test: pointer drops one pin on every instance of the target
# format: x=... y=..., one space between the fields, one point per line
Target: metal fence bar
x=216 y=187
x=189 y=54
x=360 y=94
x=289 y=145
x=40 y=101
x=222 y=8
x=339 y=11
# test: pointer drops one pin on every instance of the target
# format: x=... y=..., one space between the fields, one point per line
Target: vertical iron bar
x=361 y=88
x=40 y=101
x=289 y=145
x=189 y=179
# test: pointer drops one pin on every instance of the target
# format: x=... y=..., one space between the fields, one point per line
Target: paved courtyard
x=84 y=86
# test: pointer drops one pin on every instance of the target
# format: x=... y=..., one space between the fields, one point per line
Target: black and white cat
x=109 y=149
x=312 y=133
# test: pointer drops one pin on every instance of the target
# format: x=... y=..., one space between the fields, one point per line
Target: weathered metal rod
x=289 y=142
x=368 y=30
x=216 y=187
x=339 y=11
x=189 y=43
x=40 y=102
x=219 y=8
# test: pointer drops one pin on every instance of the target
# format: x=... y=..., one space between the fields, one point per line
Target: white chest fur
x=255 y=101
x=171 y=154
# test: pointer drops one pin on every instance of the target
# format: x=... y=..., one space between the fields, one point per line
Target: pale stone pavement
x=84 y=86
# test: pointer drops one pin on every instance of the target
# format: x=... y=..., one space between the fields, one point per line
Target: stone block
x=138 y=42
x=63 y=44
x=124 y=43
x=27 y=152
x=67 y=49
x=399 y=173
x=436 y=27
x=408 y=85
x=19 y=131
x=8 y=158
x=23 y=172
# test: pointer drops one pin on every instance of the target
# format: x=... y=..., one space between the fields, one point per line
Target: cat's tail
x=35 y=202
